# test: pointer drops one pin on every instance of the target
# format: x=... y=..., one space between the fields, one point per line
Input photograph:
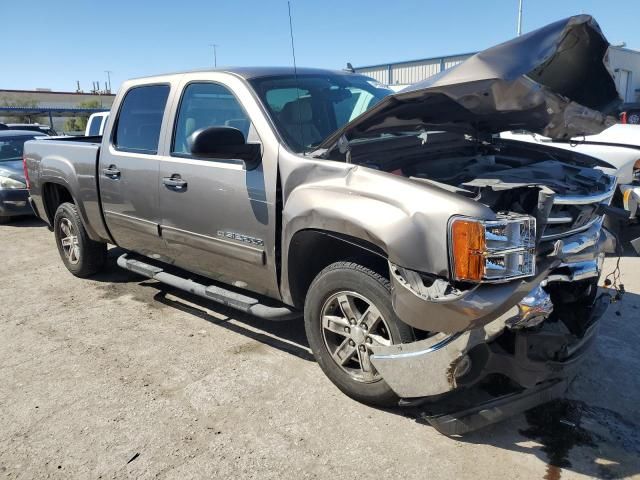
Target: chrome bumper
x=426 y=368
x=433 y=366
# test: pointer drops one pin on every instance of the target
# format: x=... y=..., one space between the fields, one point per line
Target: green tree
x=78 y=124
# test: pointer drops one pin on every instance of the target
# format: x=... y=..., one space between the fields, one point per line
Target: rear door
x=128 y=169
x=216 y=218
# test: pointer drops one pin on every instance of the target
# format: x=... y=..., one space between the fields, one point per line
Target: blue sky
x=53 y=44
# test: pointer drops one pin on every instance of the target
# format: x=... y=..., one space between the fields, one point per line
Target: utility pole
x=520 y=17
x=215 y=54
x=108 y=72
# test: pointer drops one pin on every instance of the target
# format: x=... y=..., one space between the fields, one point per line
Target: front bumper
x=482 y=334
x=539 y=363
x=14 y=202
x=427 y=368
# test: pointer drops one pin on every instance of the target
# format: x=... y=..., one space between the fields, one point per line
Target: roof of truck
x=255 y=72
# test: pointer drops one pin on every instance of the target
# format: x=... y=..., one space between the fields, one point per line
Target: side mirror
x=224 y=143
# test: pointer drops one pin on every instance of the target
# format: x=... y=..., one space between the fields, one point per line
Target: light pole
x=520 y=18
x=108 y=72
x=215 y=54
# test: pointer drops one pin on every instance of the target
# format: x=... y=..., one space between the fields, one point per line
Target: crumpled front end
x=531 y=332
x=538 y=306
x=532 y=350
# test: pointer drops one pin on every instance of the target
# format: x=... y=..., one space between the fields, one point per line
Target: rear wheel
x=82 y=256
x=347 y=312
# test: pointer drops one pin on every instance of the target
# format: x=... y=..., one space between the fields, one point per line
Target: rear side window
x=138 y=125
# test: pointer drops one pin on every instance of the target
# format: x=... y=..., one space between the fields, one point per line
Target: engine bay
x=504 y=175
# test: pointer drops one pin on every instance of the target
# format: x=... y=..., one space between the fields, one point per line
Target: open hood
x=554 y=81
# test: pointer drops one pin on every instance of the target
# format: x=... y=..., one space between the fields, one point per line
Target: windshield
x=11 y=147
x=307 y=109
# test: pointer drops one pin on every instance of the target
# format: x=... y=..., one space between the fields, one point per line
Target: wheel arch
x=311 y=250
x=54 y=194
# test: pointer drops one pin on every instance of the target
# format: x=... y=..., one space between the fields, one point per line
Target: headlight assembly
x=10 y=183
x=492 y=251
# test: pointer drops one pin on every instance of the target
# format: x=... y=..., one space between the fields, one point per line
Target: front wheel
x=347 y=311
x=82 y=256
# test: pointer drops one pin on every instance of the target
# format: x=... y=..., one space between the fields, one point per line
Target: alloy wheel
x=351 y=325
x=69 y=241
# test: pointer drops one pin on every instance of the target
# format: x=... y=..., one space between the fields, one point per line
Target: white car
x=618 y=145
x=96 y=123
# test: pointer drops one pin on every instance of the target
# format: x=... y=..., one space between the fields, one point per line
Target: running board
x=220 y=295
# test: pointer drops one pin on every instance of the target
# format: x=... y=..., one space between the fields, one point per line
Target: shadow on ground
x=287 y=336
x=26 y=222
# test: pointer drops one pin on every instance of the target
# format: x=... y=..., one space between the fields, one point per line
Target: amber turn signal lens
x=469 y=244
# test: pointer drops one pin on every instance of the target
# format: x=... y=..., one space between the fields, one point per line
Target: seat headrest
x=297 y=111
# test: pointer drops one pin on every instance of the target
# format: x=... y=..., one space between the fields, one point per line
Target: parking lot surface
x=121 y=377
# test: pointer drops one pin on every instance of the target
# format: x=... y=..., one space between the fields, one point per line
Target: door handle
x=174 y=182
x=111 y=172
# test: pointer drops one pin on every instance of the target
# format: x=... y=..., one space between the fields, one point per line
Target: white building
x=626 y=67
x=624 y=62
x=43 y=100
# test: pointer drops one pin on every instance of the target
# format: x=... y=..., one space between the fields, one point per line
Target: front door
x=128 y=170
x=215 y=214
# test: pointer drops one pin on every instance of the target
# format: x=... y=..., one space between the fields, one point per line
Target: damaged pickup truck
x=428 y=255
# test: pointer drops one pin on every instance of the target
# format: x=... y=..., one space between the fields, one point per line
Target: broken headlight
x=492 y=250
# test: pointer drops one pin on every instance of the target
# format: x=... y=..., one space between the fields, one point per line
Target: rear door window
x=140 y=118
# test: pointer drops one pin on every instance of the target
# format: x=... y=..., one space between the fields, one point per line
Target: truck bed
x=73 y=163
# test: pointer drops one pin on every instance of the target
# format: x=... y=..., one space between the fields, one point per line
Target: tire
x=82 y=256
x=4 y=220
x=342 y=287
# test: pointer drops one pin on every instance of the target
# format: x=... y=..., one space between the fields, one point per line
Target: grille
x=575 y=213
